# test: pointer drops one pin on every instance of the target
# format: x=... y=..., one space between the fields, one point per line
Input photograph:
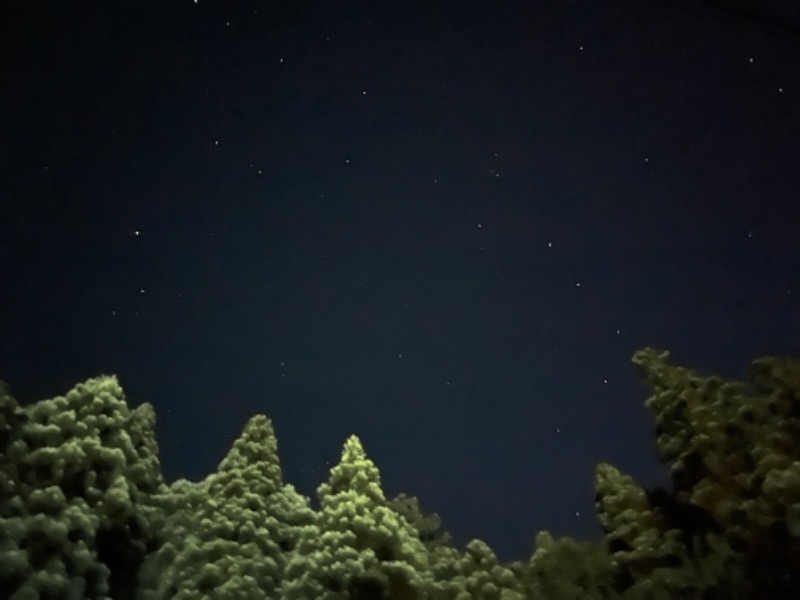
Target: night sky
x=442 y=226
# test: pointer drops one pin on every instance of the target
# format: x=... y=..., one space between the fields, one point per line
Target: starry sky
x=442 y=226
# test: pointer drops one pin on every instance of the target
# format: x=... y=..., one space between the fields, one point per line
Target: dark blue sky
x=444 y=228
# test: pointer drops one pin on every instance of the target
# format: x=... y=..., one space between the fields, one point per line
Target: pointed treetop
x=355 y=472
x=256 y=446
